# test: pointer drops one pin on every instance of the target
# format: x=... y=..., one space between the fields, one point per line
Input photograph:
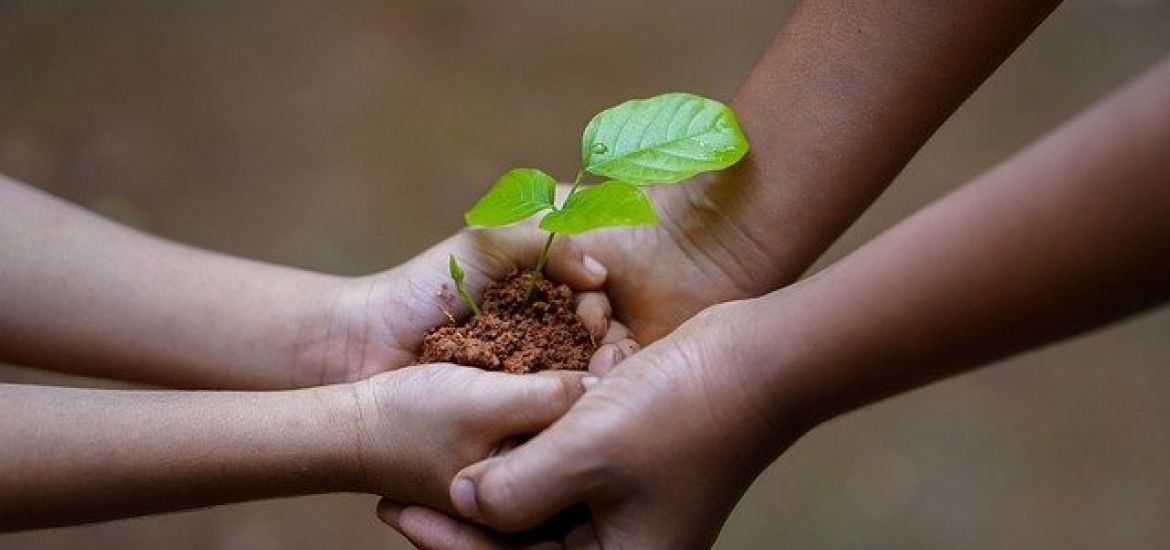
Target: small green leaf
x=460 y=288
x=609 y=204
x=456 y=271
x=518 y=194
x=664 y=139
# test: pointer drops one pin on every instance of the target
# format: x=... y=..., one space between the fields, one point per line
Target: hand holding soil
x=527 y=325
x=742 y=360
x=377 y=323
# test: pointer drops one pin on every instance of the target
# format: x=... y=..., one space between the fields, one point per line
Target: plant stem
x=576 y=183
x=467 y=299
x=543 y=258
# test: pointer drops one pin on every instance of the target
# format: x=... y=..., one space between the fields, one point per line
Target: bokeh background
x=347 y=136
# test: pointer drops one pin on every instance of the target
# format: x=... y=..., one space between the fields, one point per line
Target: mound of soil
x=516 y=335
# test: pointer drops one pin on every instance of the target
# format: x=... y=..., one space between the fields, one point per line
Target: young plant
x=660 y=140
x=460 y=288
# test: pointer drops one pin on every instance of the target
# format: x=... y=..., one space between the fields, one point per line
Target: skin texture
x=84 y=295
x=844 y=97
x=73 y=456
x=1064 y=237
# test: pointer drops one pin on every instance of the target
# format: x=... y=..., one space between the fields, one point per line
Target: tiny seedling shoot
x=660 y=140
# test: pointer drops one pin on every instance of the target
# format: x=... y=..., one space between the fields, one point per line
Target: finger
x=617 y=332
x=519 y=405
x=507 y=446
x=429 y=530
x=628 y=348
x=583 y=537
x=389 y=511
x=604 y=359
x=524 y=488
x=569 y=264
x=593 y=310
x=610 y=355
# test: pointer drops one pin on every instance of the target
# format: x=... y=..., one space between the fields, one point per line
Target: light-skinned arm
x=1068 y=235
x=71 y=456
x=82 y=294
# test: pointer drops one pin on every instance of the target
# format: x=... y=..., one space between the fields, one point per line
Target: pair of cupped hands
x=657 y=443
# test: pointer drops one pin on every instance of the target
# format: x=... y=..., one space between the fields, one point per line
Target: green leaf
x=516 y=195
x=456 y=271
x=664 y=139
x=609 y=204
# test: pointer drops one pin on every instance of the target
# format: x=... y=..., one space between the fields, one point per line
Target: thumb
x=522 y=489
x=526 y=404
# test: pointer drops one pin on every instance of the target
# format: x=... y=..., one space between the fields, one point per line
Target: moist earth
x=514 y=334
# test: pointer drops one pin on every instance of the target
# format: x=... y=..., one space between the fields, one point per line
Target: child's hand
x=417 y=426
x=375 y=324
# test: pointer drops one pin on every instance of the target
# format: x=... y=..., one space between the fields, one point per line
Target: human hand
x=654 y=279
x=660 y=450
x=701 y=253
x=415 y=427
x=376 y=323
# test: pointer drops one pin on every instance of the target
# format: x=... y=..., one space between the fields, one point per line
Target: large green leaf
x=664 y=139
x=516 y=195
x=609 y=204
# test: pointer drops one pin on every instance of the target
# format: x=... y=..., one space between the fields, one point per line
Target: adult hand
x=660 y=450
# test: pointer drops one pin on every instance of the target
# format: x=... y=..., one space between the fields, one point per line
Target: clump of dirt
x=516 y=335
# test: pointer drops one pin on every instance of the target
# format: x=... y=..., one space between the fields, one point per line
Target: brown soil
x=516 y=335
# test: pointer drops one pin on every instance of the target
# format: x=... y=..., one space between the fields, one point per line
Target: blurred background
x=347 y=136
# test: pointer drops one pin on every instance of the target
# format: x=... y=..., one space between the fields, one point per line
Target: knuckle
x=563 y=392
x=498 y=500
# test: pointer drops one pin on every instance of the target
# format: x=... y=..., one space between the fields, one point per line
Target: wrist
x=756 y=349
x=730 y=218
x=801 y=355
x=321 y=331
x=340 y=436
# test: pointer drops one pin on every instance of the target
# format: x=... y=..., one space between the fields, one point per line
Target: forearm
x=82 y=294
x=1066 y=236
x=844 y=97
x=71 y=456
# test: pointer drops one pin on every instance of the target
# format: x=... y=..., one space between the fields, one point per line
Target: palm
x=380 y=320
x=663 y=275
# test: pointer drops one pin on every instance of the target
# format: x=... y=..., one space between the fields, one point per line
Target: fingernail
x=594 y=267
x=464 y=499
x=602 y=361
x=589 y=382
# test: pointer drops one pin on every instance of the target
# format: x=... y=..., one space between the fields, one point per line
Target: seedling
x=460 y=288
x=660 y=140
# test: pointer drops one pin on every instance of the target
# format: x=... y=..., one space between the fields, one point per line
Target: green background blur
x=347 y=136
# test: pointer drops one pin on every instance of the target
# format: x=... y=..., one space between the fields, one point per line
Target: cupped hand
x=699 y=254
x=660 y=450
x=374 y=324
x=654 y=278
x=416 y=427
